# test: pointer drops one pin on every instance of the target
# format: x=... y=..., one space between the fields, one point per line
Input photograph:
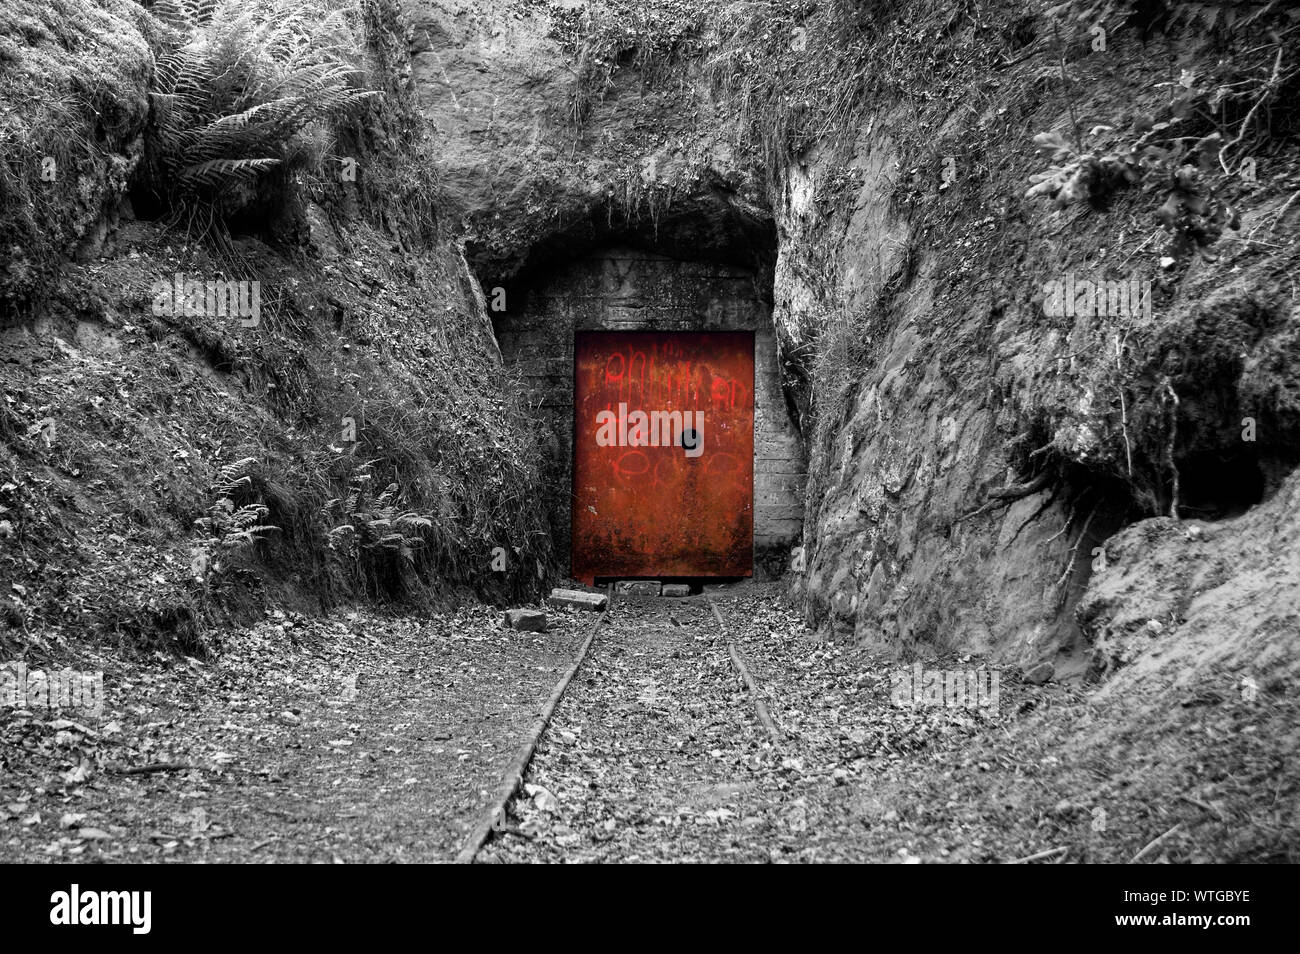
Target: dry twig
x=1155 y=841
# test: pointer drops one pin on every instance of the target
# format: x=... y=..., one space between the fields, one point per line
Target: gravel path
x=356 y=738
x=655 y=753
x=361 y=738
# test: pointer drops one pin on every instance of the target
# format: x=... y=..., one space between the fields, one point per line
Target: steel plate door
x=654 y=495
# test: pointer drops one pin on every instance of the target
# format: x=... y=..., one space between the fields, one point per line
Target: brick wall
x=628 y=289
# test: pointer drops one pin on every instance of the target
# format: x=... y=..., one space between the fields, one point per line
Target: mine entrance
x=663 y=454
x=693 y=280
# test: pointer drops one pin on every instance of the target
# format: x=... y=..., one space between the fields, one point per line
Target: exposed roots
x=1008 y=495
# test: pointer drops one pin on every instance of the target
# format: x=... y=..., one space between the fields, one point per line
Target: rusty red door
x=663 y=454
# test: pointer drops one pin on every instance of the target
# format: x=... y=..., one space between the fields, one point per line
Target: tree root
x=1008 y=495
x=1169 y=447
x=1074 y=551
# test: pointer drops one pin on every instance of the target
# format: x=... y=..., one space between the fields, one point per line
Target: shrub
x=243 y=97
x=1190 y=212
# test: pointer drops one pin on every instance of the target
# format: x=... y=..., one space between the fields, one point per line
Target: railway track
x=658 y=714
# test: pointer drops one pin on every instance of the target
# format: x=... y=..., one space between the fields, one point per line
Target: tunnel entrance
x=635 y=282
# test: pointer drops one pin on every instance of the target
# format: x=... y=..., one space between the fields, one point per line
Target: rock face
x=974 y=451
x=908 y=451
x=534 y=181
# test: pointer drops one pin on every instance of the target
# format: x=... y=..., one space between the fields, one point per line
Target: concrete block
x=594 y=602
x=675 y=590
x=637 y=587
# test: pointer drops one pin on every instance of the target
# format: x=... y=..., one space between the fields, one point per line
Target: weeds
x=230 y=529
x=1210 y=120
x=71 y=85
x=645 y=38
x=371 y=531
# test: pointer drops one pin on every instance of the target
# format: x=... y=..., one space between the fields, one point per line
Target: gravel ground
x=354 y=738
x=1054 y=773
x=653 y=754
x=656 y=754
x=361 y=738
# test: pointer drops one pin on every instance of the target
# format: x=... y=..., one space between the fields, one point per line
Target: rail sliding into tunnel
x=650 y=359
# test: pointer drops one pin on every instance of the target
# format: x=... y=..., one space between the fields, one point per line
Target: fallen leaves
x=258 y=750
x=542 y=799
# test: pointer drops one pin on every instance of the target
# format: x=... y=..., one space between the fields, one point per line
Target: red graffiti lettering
x=610 y=375
x=623 y=469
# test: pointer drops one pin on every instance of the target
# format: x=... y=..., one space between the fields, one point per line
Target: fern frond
x=223 y=173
